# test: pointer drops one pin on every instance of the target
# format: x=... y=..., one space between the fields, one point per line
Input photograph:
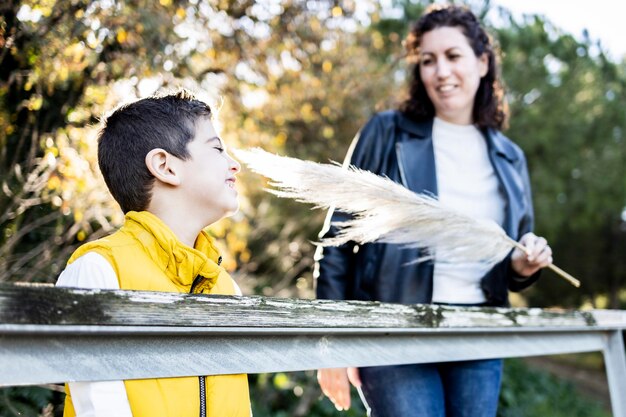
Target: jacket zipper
x=201 y=379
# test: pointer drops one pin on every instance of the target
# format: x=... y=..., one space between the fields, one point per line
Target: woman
x=444 y=140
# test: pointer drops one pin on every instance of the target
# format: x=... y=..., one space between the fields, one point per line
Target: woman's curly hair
x=489 y=106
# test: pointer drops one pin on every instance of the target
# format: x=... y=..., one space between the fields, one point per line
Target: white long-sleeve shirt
x=105 y=398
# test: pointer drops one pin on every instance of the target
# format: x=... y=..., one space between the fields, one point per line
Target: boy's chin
x=226 y=212
x=232 y=210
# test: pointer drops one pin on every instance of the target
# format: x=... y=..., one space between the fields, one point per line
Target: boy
x=169 y=171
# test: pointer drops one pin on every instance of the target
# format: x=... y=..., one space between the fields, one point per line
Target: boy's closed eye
x=217 y=144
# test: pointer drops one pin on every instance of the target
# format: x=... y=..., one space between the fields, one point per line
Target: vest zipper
x=201 y=379
x=202 y=396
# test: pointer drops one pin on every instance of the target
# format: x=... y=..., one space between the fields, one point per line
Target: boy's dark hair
x=131 y=131
x=489 y=106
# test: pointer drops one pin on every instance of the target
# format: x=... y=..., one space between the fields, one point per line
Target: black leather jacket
x=392 y=145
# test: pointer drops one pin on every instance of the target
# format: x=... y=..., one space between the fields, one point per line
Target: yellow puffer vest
x=146 y=255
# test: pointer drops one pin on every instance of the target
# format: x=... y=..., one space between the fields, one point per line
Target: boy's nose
x=234 y=165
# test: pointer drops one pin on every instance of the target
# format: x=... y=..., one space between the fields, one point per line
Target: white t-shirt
x=467 y=183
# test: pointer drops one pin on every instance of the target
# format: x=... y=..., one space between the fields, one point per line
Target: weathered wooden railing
x=57 y=334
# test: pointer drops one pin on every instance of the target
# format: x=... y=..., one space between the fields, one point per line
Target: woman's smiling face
x=451 y=73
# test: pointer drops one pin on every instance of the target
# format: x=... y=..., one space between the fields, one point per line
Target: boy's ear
x=162 y=166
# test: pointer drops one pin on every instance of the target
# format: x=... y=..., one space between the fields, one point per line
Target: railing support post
x=615 y=363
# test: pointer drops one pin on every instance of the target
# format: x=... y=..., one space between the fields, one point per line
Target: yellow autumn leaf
x=306 y=111
x=249 y=125
x=245 y=256
x=279 y=120
x=229 y=264
x=54 y=182
x=377 y=40
x=121 y=36
x=281 y=381
x=280 y=139
x=34 y=103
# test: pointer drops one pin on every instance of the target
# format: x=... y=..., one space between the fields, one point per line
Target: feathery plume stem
x=556 y=269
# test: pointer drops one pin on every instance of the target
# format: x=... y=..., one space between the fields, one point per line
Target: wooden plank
x=27 y=359
x=52 y=334
x=45 y=305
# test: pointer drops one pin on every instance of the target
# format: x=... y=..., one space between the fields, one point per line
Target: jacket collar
x=181 y=263
x=499 y=145
x=496 y=141
x=416 y=157
x=422 y=130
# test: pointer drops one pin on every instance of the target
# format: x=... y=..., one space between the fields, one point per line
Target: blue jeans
x=450 y=389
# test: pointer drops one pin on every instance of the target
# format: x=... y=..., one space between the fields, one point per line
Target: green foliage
x=529 y=393
x=526 y=392
x=29 y=402
x=293 y=81
x=296 y=394
x=58 y=59
x=567 y=114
